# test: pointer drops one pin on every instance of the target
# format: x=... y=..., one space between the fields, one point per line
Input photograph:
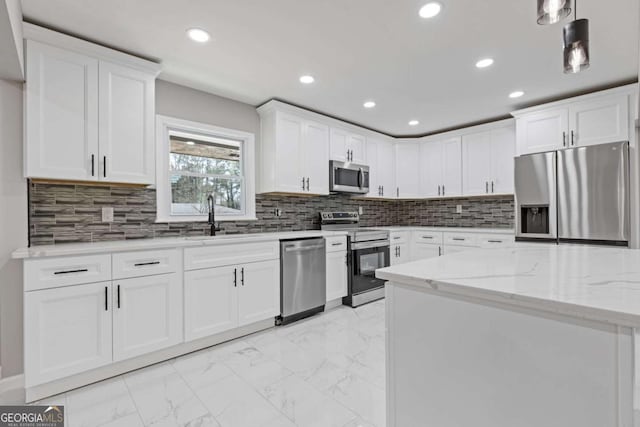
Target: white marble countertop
x=597 y=283
x=449 y=229
x=68 y=249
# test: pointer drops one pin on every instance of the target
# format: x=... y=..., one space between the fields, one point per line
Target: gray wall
x=185 y=103
x=13 y=226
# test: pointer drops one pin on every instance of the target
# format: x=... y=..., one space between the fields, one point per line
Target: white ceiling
x=362 y=49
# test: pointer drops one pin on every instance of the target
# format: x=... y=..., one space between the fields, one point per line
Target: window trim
x=165 y=124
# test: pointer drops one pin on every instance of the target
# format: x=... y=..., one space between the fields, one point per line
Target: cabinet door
x=147 y=314
x=452 y=167
x=258 y=291
x=336 y=275
x=356 y=144
x=476 y=164
x=375 y=178
x=289 y=139
x=400 y=253
x=338 y=144
x=210 y=301
x=61 y=114
x=431 y=169
x=599 y=121
x=543 y=131
x=407 y=169
x=316 y=157
x=67 y=330
x=421 y=251
x=126 y=125
x=386 y=168
x=503 y=143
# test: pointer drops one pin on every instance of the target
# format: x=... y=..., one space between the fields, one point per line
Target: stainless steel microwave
x=348 y=178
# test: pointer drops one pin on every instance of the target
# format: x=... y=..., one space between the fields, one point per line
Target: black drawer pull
x=458 y=239
x=80 y=270
x=427 y=237
x=495 y=241
x=337 y=244
x=142 y=264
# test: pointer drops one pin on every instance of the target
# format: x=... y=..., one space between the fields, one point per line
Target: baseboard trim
x=11 y=383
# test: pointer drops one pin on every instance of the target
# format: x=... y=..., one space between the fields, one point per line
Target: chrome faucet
x=211 y=200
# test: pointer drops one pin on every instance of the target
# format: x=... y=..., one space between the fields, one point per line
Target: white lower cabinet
x=222 y=298
x=67 y=331
x=258 y=292
x=210 y=302
x=425 y=251
x=452 y=249
x=147 y=315
x=336 y=275
x=400 y=253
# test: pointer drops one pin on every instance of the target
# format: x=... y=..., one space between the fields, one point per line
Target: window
x=197 y=160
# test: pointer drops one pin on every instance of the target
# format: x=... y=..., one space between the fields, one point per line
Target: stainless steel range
x=368 y=250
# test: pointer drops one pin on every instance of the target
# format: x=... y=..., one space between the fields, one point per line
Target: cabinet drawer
x=460 y=239
x=496 y=241
x=335 y=244
x=56 y=272
x=145 y=263
x=399 y=237
x=430 y=237
x=230 y=254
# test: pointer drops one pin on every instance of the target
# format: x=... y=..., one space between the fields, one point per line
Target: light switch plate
x=107 y=214
x=360 y=210
x=459 y=209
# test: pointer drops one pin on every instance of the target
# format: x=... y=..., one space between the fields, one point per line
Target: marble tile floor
x=325 y=371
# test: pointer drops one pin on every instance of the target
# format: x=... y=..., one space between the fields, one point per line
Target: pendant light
x=576 y=44
x=552 y=11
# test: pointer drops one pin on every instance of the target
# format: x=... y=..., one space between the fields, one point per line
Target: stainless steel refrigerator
x=577 y=195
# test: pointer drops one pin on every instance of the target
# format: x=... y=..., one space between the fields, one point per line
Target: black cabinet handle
x=106 y=299
x=303 y=183
x=118 y=296
x=443 y=192
x=439 y=250
x=235 y=277
x=438 y=190
x=383 y=190
x=458 y=239
x=572 y=141
x=486 y=183
x=142 y=264
x=93 y=165
x=494 y=241
x=104 y=166
x=242 y=276
x=307 y=183
x=427 y=237
x=80 y=270
x=492 y=187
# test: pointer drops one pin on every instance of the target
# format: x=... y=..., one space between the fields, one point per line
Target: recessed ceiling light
x=191 y=143
x=484 y=63
x=369 y=104
x=430 y=10
x=516 y=94
x=414 y=123
x=307 y=79
x=198 y=35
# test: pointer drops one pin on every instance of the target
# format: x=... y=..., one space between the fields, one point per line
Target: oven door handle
x=368 y=245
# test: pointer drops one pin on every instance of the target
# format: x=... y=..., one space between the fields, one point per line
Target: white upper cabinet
x=591 y=119
x=381 y=162
x=487 y=162
x=543 y=131
x=126 y=131
x=347 y=146
x=407 y=167
x=89 y=111
x=61 y=114
x=600 y=120
x=441 y=168
x=294 y=154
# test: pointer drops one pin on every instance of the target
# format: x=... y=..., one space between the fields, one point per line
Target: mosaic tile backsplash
x=63 y=213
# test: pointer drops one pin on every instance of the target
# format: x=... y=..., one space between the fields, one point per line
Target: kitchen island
x=536 y=335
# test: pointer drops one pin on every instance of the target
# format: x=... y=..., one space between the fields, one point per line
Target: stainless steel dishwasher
x=303 y=287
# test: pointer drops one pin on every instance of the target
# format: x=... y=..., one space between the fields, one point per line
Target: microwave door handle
x=360 y=177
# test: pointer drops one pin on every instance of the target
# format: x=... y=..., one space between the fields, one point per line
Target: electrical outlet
x=360 y=210
x=458 y=209
x=277 y=212
x=107 y=214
